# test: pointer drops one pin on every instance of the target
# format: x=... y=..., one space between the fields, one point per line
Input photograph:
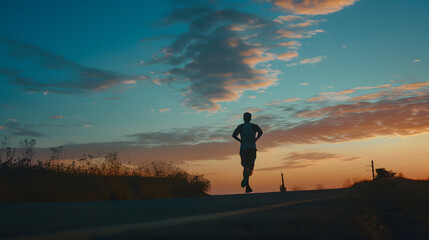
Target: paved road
x=211 y=217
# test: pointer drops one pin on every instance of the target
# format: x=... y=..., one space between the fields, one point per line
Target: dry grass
x=95 y=179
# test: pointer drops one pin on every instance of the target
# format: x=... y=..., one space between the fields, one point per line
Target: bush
x=383 y=173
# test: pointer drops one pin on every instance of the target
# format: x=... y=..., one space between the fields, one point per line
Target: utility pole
x=372 y=166
x=282 y=187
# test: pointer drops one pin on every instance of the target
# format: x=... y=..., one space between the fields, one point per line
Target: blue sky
x=138 y=76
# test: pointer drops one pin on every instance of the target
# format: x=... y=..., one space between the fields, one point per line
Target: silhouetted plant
x=6 y=151
x=319 y=186
x=297 y=188
x=383 y=173
x=347 y=183
x=27 y=150
x=56 y=153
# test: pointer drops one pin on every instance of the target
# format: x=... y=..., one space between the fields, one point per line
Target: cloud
x=416 y=60
x=312 y=60
x=304 y=84
x=213 y=59
x=164 y=110
x=307 y=61
x=313 y=7
x=288 y=18
x=17 y=129
x=380 y=86
x=411 y=86
x=358 y=121
x=306 y=159
x=291 y=99
x=331 y=96
x=288 y=34
x=333 y=124
x=57 y=117
x=290 y=44
x=1 y=127
x=75 y=78
x=287 y=56
x=303 y=24
x=182 y=136
x=253 y=110
x=394 y=92
x=142 y=154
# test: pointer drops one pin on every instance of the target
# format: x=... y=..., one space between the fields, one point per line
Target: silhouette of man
x=248 y=140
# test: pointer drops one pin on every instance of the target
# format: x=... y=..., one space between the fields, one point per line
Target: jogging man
x=248 y=140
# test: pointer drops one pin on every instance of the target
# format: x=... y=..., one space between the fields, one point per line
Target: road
x=303 y=214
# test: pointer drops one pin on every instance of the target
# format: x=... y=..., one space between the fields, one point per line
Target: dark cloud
x=71 y=77
x=182 y=136
x=214 y=59
x=306 y=159
x=17 y=129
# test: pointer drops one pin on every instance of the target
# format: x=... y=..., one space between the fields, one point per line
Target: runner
x=248 y=140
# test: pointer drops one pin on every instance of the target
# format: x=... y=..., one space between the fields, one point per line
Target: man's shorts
x=248 y=157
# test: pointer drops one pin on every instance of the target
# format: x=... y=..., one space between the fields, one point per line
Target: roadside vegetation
x=392 y=206
x=97 y=177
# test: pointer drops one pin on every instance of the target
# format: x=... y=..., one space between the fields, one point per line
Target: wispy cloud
x=363 y=120
x=18 y=129
x=164 y=110
x=313 y=7
x=312 y=60
x=288 y=18
x=291 y=99
x=331 y=96
x=410 y=89
x=287 y=56
x=57 y=117
x=306 y=159
x=76 y=78
x=380 y=86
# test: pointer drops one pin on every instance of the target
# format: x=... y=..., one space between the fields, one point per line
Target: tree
x=383 y=173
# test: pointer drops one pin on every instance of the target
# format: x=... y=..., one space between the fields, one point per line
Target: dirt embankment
x=395 y=208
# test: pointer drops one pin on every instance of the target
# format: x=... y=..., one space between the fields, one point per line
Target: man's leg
x=250 y=164
x=244 y=154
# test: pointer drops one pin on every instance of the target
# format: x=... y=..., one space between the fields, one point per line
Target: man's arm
x=236 y=132
x=259 y=131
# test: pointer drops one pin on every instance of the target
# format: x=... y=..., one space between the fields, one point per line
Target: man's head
x=247 y=117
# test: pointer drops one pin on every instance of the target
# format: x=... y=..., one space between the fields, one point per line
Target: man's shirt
x=247 y=133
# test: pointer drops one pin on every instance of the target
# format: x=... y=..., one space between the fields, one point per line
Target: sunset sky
x=334 y=84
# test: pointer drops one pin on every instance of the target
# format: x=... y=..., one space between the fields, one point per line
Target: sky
x=333 y=84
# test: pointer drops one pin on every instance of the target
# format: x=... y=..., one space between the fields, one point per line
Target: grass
x=92 y=178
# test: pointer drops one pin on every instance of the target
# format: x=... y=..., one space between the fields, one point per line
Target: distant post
x=372 y=166
x=282 y=187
